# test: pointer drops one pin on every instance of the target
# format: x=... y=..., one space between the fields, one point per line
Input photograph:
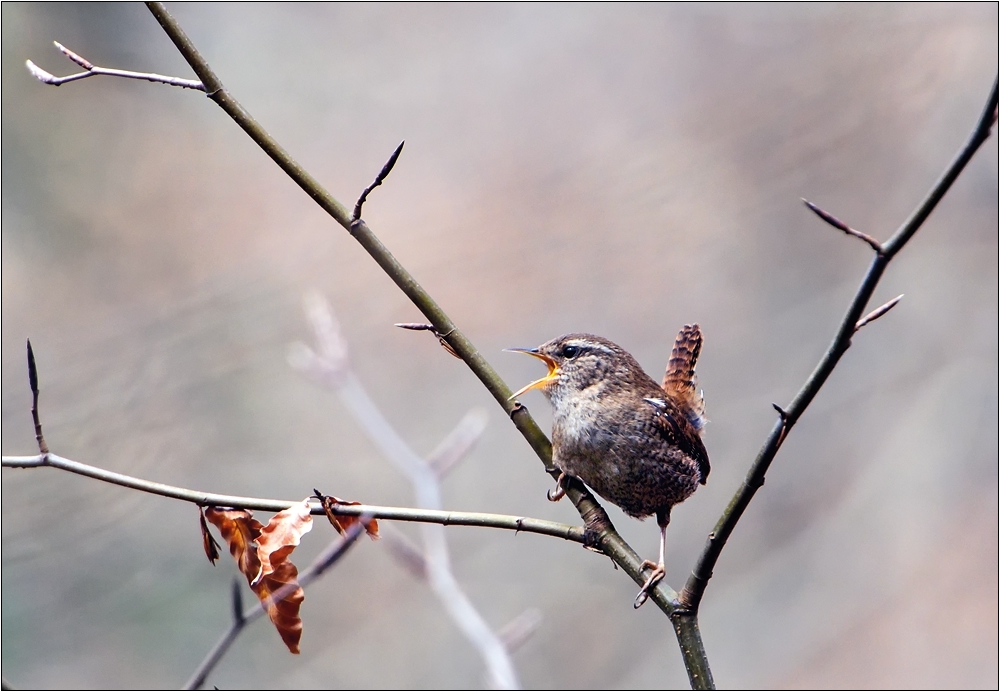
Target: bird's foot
x=654 y=578
x=559 y=491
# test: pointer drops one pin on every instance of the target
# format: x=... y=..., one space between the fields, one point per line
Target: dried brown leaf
x=207 y=539
x=240 y=531
x=283 y=531
x=280 y=594
x=343 y=522
x=253 y=546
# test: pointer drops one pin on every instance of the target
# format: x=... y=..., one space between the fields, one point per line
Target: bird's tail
x=680 y=381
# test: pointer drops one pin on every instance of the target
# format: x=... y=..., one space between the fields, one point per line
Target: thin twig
x=92 y=70
x=333 y=368
x=838 y=224
x=421 y=327
x=694 y=589
x=878 y=312
x=43 y=448
x=241 y=618
x=386 y=169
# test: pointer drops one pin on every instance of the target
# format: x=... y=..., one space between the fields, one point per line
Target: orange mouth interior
x=542 y=382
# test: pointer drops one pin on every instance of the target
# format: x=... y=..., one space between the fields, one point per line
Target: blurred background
x=618 y=169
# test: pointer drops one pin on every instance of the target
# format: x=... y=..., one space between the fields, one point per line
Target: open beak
x=540 y=383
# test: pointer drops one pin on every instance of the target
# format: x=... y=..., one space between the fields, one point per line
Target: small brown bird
x=637 y=443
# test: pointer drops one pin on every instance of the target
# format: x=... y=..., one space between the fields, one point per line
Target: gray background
x=615 y=169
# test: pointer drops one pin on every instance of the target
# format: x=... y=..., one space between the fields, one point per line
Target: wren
x=633 y=441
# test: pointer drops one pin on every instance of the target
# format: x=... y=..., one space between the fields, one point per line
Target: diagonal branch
x=604 y=534
x=694 y=589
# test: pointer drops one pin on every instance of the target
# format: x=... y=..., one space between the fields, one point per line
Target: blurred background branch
x=329 y=364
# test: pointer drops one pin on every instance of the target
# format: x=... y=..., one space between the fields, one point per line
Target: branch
x=508 y=522
x=326 y=559
x=694 y=589
x=331 y=366
x=92 y=70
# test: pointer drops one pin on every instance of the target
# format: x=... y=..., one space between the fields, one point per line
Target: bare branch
x=459 y=442
x=516 y=632
x=694 y=589
x=878 y=312
x=508 y=522
x=422 y=476
x=386 y=169
x=838 y=224
x=93 y=71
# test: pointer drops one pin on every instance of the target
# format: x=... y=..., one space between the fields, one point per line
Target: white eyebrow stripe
x=593 y=346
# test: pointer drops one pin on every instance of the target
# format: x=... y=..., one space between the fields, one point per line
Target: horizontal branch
x=92 y=70
x=444 y=517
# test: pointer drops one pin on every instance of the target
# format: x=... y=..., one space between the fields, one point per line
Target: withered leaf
x=282 y=534
x=254 y=545
x=343 y=522
x=240 y=531
x=207 y=539
x=280 y=594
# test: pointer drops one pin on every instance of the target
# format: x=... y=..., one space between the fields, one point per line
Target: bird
x=634 y=442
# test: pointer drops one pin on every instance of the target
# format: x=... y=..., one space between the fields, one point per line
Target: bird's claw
x=654 y=578
x=560 y=490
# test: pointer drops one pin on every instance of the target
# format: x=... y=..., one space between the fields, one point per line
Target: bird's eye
x=570 y=351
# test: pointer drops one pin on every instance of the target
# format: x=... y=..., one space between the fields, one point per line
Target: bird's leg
x=659 y=569
x=560 y=489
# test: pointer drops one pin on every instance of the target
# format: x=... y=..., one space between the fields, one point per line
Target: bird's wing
x=676 y=429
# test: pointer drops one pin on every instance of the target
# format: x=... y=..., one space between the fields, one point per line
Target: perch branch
x=603 y=533
x=694 y=589
x=92 y=70
x=508 y=522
